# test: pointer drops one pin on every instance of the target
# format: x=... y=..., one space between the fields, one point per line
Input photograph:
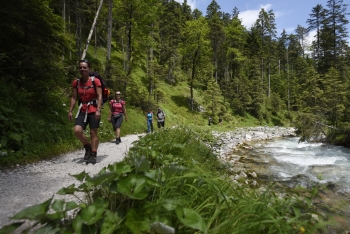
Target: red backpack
x=105 y=90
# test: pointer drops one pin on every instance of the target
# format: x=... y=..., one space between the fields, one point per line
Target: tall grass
x=171 y=181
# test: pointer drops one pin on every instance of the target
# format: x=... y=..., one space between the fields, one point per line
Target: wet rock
x=253 y=174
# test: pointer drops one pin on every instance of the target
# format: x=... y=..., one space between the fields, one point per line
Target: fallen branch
x=328 y=126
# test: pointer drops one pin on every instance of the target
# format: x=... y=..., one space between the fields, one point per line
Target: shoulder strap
x=93 y=83
x=77 y=84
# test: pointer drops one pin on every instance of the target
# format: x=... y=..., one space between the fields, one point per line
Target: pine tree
x=315 y=21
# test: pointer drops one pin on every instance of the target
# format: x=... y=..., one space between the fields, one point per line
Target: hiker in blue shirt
x=149 y=118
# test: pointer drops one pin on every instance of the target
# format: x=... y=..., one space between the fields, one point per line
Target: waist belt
x=87 y=108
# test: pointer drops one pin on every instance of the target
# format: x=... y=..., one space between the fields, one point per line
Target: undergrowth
x=170 y=182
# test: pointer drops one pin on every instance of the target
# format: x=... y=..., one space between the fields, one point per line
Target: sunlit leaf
x=81 y=176
x=100 y=202
x=77 y=224
x=154 y=154
x=99 y=179
x=174 y=170
x=120 y=168
x=10 y=228
x=170 y=204
x=151 y=174
x=14 y=136
x=3 y=141
x=152 y=183
x=91 y=214
x=141 y=164
x=191 y=218
x=5 y=109
x=152 y=178
x=136 y=221
x=47 y=229
x=190 y=175
x=55 y=216
x=133 y=186
x=86 y=187
x=296 y=211
x=3 y=117
x=35 y=212
x=110 y=222
x=68 y=190
x=71 y=205
x=58 y=205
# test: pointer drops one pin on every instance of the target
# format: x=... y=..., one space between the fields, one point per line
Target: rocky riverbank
x=231 y=141
x=236 y=150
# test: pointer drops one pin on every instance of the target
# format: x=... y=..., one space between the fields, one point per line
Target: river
x=319 y=163
x=288 y=162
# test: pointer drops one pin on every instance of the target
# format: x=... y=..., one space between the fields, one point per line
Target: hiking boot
x=88 y=151
x=117 y=141
x=92 y=158
x=120 y=141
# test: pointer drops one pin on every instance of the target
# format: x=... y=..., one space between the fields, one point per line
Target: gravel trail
x=32 y=184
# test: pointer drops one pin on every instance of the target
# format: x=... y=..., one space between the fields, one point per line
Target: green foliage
x=169 y=181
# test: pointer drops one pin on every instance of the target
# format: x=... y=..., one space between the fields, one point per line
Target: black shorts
x=161 y=124
x=90 y=119
x=117 y=121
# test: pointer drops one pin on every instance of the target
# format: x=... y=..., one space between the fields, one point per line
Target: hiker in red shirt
x=90 y=95
x=117 y=112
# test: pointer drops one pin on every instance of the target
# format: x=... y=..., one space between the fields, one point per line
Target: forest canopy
x=255 y=70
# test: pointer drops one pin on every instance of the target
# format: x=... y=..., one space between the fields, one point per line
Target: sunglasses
x=117 y=94
x=83 y=68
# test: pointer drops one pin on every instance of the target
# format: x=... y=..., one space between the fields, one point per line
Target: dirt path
x=32 y=184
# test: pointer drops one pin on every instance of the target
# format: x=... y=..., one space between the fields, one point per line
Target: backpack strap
x=86 y=87
x=87 y=103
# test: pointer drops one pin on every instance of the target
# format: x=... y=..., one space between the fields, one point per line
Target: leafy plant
x=163 y=187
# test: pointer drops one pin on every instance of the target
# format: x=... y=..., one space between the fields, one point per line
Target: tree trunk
x=64 y=21
x=92 y=30
x=109 y=40
x=78 y=28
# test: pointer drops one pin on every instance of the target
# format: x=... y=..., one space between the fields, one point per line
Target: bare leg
x=94 y=139
x=117 y=133
x=79 y=133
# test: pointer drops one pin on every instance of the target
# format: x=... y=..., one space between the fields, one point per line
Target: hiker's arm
x=99 y=101
x=73 y=100
x=110 y=112
x=124 y=112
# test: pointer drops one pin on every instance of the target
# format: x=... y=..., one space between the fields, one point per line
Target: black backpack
x=105 y=90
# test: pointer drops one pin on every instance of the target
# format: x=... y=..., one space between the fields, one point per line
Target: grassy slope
x=174 y=102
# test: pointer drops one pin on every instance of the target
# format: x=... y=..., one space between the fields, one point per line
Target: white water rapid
x=320 y=163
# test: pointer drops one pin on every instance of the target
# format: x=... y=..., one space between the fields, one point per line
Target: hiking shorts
x=117 y=121
x=161 y=124
x=90 y=119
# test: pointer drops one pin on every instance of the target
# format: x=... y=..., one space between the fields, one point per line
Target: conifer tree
x=216 y=33
x=195 y=50
x=315 y=22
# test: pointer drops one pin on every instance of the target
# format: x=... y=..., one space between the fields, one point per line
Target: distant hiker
x=220 y=120
x=117 y=111
x=160 y=118
x=210 y=120
x=149 y=118
x=89 y=112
